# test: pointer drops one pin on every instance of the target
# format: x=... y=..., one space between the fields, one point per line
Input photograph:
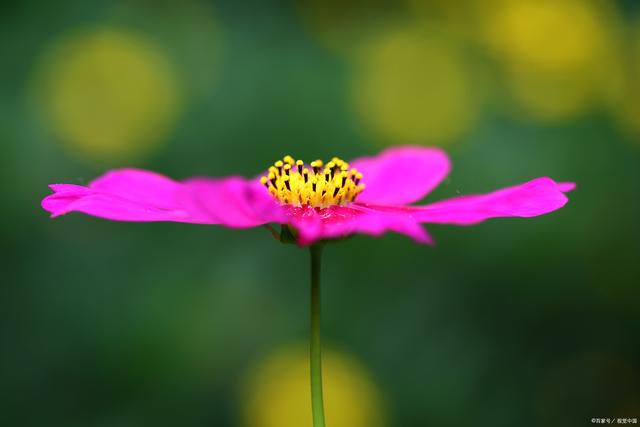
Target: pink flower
x=318 y=201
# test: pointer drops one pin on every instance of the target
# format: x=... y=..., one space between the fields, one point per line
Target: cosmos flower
x=371 y=195
x=314 y=202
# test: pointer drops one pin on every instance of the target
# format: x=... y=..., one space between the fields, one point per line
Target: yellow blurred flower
x=557 y=54
x=549 y=36
x=107 y=94
x=277 y=392
x=412 y=87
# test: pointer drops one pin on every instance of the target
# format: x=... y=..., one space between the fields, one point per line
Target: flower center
x=319 y=185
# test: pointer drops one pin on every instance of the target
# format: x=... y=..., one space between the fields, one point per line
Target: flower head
x=319 y=201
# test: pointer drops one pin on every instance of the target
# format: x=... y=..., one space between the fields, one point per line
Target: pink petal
x=401 y=175
x=234 y=202
x=141 y=186
x=566 y=187
x=536 y=197
x=63 y=195
x=138 y=195
x=341 y=221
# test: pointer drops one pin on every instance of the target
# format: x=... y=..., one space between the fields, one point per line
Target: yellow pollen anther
x=318 y=185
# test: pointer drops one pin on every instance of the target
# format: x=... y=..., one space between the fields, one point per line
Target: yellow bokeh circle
x=558 y=55
x=550 y=36
x=277 y=392
x=108 y=94
x=409 y=87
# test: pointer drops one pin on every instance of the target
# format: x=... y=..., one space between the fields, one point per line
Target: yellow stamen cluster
x=317 y=185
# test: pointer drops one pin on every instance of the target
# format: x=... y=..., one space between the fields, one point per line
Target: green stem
x=317 y=405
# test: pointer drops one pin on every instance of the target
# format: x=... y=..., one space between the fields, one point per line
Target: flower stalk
x=317 y=404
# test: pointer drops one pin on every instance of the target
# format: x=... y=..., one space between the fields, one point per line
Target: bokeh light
x=278 y=395
x=557 y=54
x=414 y=87
x=108 y=94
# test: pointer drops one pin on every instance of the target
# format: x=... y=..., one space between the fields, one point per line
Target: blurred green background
x=510 y=323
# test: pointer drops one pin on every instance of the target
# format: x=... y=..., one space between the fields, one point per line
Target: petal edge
x=536 y=197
